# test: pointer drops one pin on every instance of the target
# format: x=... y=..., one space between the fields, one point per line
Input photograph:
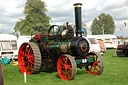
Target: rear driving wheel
x=29 y=58
x=97 y=67
x=1 y=75
x=66 y=67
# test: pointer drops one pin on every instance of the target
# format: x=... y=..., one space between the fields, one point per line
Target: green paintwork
x=58 y=45
x=45 y=39
x=32 y=40
x=78 y=61
x=53 y=44
x=88 y=61
x=68 y=47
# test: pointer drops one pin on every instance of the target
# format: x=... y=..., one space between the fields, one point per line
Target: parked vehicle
x=122 y=49
x=93 y=43
x=110 y=40
x=8 y=46
x=102 y=45
x=120 y=41
x=23 y=39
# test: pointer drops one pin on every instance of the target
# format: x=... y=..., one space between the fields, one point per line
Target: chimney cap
x=77 y=4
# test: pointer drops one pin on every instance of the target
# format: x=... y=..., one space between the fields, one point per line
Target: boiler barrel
x=76 y=47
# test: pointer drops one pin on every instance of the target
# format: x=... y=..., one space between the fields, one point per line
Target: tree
x=0 y=33
x=103 y=24
x=36 y=20
x=15 y=33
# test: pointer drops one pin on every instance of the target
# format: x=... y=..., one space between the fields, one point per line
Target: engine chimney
x=77 y=7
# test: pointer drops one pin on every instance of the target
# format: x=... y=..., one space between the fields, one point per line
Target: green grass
x=115 y=73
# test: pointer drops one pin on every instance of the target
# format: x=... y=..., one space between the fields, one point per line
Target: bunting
x=125 y=24
x=121 y=29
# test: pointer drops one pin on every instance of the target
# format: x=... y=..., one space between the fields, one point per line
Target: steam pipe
x=77 y=7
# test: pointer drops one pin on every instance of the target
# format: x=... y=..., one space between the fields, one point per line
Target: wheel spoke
x=63 y=60
x=29 y=51
x=70 y=67
x=97 y=69
x=70 y=63
x=67 y=74
x=94 y=70
x=70 y=71
x=30 y=67
x=90 y=68
x=26 y=68
x=66 y=61
x=26 y=50
x=30 y=61
x=62 y=71
x=98 y=61
x=22 y=53
x=31 y=56
x=98 y=66
x=62 y=63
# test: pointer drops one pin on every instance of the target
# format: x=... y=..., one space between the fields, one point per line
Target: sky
x=62 y=11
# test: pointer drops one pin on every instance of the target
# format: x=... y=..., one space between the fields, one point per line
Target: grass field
x=115 y=73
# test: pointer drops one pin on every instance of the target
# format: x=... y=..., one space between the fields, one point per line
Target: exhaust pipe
x=77 y=7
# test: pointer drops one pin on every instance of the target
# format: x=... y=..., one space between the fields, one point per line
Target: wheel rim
x=28 y=60
x=98 y=66
x=1 y=75
x=66 y=67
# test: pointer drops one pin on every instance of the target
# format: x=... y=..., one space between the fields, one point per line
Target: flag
x=125 y=24
x=97 y=18
x=121 y=29
x=101 y=17
x=84 y=24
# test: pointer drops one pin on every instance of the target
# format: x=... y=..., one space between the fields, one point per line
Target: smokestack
x=77 y=7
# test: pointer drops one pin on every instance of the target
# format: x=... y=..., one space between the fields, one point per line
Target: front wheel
x=98 y=66
x=66 y=67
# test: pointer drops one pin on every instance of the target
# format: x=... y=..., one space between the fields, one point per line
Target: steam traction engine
x=60 y=50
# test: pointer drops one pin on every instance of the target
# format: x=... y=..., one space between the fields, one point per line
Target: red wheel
x=98 y=66
x=66 y=67
x=1 y=75
x=29 y=58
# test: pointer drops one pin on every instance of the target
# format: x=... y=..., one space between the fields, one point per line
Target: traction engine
x=60 y=50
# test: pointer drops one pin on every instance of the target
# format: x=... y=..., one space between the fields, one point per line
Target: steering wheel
x=54 y=30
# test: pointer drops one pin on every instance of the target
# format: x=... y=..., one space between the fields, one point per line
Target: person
x=65 y=26
x=83 y=29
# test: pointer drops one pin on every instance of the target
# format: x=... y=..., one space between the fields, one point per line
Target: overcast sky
x=62 y=10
